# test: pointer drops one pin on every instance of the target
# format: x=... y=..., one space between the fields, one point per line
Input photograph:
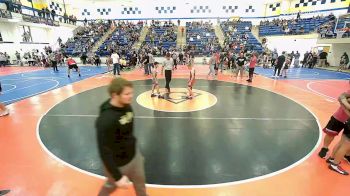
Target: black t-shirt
x=116 y=142
x=146 y=59
x=280 y=60
x=323 y=55
x=241 y=61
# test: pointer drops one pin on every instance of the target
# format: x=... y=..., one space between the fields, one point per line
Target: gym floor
x=233 y=138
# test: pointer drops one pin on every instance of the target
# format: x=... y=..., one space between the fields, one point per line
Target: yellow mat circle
x=177 y=101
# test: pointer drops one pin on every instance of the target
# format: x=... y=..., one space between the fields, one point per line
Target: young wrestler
x=336 y=123
x=191 y=81
x=342 y=149
x=155 y=83
x=109 y=62
x=72 y=65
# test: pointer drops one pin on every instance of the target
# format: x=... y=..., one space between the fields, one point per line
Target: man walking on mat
x=117 y=143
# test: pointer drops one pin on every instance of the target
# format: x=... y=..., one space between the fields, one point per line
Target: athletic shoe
x=189 y=97
x=330 y=160
x=5 y=112
x=285 y=76
x=347 y=159
x=323 y=153
x=338 y=169
x=249 y=80
x=160 y=97
x=153 y=95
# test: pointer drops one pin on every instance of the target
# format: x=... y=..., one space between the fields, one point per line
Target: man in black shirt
x=116 y=142
x=323 y=59
x=240 y=61
x=279 y=64
x=145 y=62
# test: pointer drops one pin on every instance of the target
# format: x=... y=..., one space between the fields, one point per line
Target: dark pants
x=167 y=79
x=175 y=63
x=147 y=68
x=251 y=73
x=273 y=62
x=2 y=63
x=116 y=68
x=54 y=65
x=278 y=70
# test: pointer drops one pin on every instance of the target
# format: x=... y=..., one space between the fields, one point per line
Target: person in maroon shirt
x=252 y=64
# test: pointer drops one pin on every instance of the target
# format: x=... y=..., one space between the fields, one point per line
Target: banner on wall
x=37 y=4
x=314 y=5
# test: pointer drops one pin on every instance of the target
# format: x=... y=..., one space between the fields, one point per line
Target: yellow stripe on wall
x=37 y=4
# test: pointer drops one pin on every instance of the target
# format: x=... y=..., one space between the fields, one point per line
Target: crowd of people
x=4 y=59
x=13 y=6
x=124 y=37
x=300 y=25
x=161 y=37
x=201 y=37
x=86 y=37
x=44 y=13
x=238 y=36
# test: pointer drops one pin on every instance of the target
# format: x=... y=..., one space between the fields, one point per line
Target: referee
x=168 y=66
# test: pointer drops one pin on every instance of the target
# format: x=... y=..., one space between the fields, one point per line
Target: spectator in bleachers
x=294 y=26
x=329 y=33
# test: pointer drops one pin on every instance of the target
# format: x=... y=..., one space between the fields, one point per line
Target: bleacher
x=122 y=39
x=341 y=22
x=307 y=24
x=85 y=38
x=79 y=45
x=207 y=41
x=156 y=34
x=242 y=28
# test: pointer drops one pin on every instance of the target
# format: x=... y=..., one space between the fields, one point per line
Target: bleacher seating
x=301 y=26
x=201 y=37
x=122 y=39
x=85 y=38
x=341 y=22
x=164 y=36
x=238 y=30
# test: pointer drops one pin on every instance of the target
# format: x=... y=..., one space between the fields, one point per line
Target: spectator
x=344 y=61
x=53 y=14
x=47 y=11
x=3 y=59
x=323 y=59
x=65 y=17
